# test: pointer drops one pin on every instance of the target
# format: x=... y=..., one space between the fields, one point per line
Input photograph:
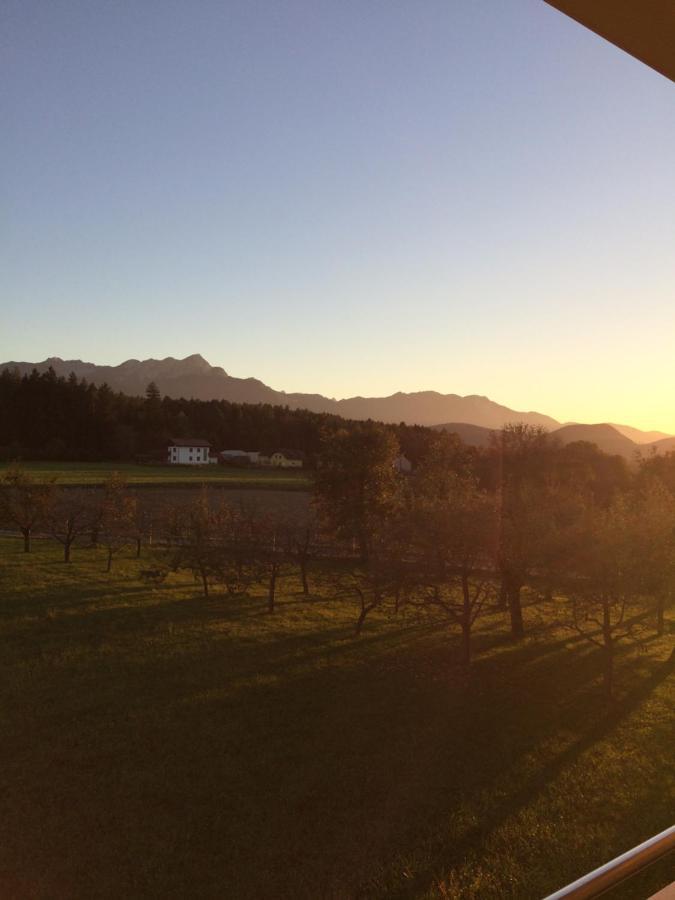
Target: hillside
x=193 y=377
x=667 y=445
x=606 y=437
x=474 y=435
x=641 y=437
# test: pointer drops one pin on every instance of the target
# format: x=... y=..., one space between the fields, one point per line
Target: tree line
x=45 y=416
x=466 y=533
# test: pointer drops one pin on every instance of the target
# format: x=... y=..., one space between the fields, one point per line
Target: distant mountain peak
x=195 y=362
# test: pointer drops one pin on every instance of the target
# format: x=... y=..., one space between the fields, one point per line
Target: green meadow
x=78 y=473
x=157 y=744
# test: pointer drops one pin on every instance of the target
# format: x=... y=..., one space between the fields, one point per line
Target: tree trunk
x=303 y=576
x=110 y=556
x=26 y=539
x=609 y=651
x=502 y=600
x=466 y=643
x=361 y=619
x=466 y=621
x=205 y=583
x=516 y=612
x=66 y=551
x=608 y=675
x=138 y=547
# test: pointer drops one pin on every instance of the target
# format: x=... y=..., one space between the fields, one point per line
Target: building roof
x=645 y=30
x=189 y=442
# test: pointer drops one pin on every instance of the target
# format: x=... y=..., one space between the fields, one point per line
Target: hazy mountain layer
x=606 y=437
x=642 y=437
x=472 y=417
x=194 y=377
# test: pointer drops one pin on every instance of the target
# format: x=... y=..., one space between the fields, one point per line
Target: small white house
x=188 y=452
x=287 y=459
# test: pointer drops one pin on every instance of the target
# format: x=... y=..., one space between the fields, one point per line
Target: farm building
x=247 y=457
x=188 y=452
x=285 y=459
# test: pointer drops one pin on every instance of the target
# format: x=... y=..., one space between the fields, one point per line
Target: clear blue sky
x=474 y=196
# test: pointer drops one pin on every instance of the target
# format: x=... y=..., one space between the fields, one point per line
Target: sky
x=353 y=197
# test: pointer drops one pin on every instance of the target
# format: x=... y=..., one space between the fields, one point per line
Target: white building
x=287 y=459
x=188 y=452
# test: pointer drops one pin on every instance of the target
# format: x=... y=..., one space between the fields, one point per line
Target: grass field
x=155 y=744
x=96 y=473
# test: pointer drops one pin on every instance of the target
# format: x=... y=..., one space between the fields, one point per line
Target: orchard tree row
x=465 y=533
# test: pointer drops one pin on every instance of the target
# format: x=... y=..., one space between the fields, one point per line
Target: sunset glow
x=476 y=199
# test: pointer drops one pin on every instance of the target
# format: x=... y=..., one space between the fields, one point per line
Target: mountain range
x=473 y=416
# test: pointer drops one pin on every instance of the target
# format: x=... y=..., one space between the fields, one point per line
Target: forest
x=48 y=417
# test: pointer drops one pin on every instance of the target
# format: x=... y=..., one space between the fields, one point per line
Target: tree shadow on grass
x=452 y=854
x=58 y=602
x=431 y=744
x=279 y=762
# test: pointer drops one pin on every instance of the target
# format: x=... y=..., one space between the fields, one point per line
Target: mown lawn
x=155 y=744
x=223 y=476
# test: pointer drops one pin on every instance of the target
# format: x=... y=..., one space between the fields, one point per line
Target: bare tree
x=301 y=550
x=25 y=503
x=70 y=516
x=379 y=578
x=523 y=459
x=654 y=541
x=455 y=534
x=192 y=535
x=141 y=527
x=604 y=585
x=236 y=560
x=366 y=582
x=272 y=553
x=118 y=517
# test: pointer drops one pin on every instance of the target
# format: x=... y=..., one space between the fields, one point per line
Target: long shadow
x=531 y=649
x=352 y=728
x=41 y=601
x=89 y=627
x=453 y=855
